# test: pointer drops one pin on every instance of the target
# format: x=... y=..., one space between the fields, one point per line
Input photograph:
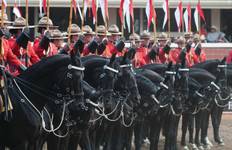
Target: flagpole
x=48 y=13
x=70 y=22
x=83 y=16
x=96 y=3
x=154 y=29
x=2 y=24
x=26 y=59
x=199 y=19
x=169 y=23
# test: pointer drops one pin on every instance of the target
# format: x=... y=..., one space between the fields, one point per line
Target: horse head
x=126 y=79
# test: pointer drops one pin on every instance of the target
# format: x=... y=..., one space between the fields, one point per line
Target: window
x=226 y=23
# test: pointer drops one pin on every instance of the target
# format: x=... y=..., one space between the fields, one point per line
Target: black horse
x=54 y=81
x=219 y=70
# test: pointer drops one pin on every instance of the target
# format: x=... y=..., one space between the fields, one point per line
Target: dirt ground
x=226 y=134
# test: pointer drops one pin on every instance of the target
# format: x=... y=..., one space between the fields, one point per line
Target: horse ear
x=223 y=60
x=169 y=65
x=78 y=54
x=125 y=56
x=112 y=58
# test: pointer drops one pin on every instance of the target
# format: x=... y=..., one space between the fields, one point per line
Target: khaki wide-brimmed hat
x=135 y=37
x=101 y=30
x=196 y=37
x=188 y=35
x=19 y=23
x=5 y=19
x=57 y=35
x=87 y=30
x=181 y=40
x=213 y=27
x=75 y=30
x=114 y=30
x=145 y=35
x=45 y=22
x=162 y=37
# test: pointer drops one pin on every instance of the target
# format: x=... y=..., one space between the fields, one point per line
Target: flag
x=79 y=9
x=4 y=3
x=179 y=15
x=131 y=9
x=104 y=9
x=196 y=14
x=74 y=6
x=187 y=18
x=126 y=12
x=86 y=4
x=121 y=11
x=165 y=8
x=150 y=12
x=45 y=6
x=16 y=10
x=200 y=11
x=94 y=10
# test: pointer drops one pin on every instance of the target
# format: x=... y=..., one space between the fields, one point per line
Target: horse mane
x=209 y=65
x=45 y=67
x=153 y=76
x=145 y=85
x=159 y=68
x=202 y=76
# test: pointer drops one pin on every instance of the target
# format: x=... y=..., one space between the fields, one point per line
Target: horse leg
x=191 y=127
x=85 y=141
x=138 y=131
x=171 y=133
x=155 y=128
x=185 y=120
x=198 y=118
x=73 y=141
x=129 y=138
x=216 y=115
x=204 y=128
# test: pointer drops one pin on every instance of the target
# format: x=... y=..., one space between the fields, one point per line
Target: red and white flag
x=79 y=9
x=16 y=10
x=74 y=6
x=104 y=9
x=121 y=11
x=150 y=12
x=179 y=15
x=94 y=10
x=4 y=3
x=42 y=7
x=131 y=9
x=126 y=12
x=166 y=9
x=187 y=18
x=198 y=11
x=86 y=5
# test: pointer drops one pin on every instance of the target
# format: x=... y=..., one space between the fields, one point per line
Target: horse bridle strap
x=222 y=66
x=126 y=66
x=76 y=68
x=215 y=85
x=110 y=69
x=183 y=69
x=170 y=72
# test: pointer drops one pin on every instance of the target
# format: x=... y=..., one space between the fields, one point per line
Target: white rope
x=170 y=72
x=219 y=105
x=183 y=69
x=40 y=114
x=155 y=99
x=215 y=85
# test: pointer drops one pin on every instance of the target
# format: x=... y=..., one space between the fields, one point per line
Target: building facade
x=216 y=12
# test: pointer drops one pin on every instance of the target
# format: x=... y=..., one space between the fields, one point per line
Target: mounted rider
x=42 y=45
x=20 y=43
x=115 y=44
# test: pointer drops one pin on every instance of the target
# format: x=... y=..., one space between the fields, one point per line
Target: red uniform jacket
x=52 y=49
x=229 y=57
x=163 y=57
x=174 y=56
x=141 y=57
x=21 y=53
x=8 y=55
x=194 y=59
